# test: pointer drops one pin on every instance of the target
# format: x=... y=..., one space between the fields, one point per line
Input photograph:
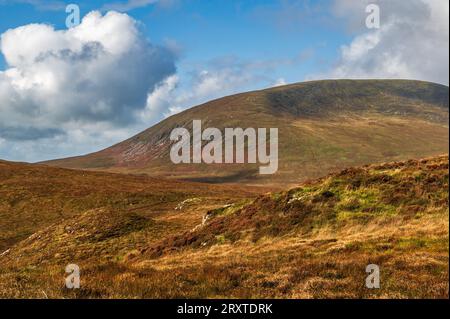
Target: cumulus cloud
x=74 y=141
x=279 y=82
x=213 y=79
x=97 y=73
x=96 y=84
x=161 y=99
x=412 y=41
x=173 y=96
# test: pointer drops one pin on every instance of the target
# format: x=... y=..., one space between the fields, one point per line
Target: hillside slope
x=323 y=126
x=349 y=200
x=33 y=197
x=311 y=241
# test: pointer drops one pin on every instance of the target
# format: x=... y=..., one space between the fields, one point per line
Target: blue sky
x=206 y=30
x=66 y=92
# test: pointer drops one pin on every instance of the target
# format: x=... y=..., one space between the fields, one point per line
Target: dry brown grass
x=313 y=241
x=33 y=197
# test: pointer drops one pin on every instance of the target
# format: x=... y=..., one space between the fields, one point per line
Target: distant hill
x=323 y=126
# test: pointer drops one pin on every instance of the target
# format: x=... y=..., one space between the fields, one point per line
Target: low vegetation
x=156 y=239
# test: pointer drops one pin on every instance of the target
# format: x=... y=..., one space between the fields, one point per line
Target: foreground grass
x=312 y=241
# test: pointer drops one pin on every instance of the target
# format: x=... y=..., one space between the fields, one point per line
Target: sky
x=68 y=90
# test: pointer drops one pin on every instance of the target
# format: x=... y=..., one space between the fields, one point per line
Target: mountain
x=323 y=126
x=140 y=237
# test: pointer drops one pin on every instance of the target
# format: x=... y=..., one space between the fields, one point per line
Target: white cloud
x=89 y=87
x=279 y=82
x=94 y=76
x=412 y=42
x=160 y=100
x=171 y=97
x=220 y=77
x=76 y=141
